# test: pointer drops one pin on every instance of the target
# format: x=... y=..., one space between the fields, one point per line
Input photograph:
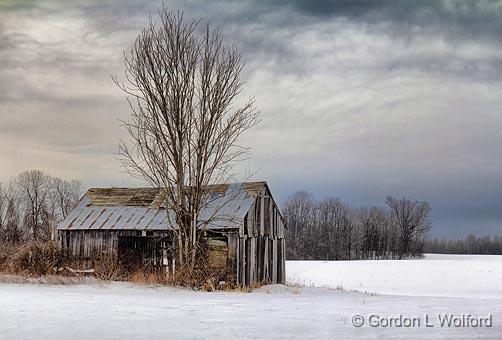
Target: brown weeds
x=46 y=262
x=107 y=268
x=35 y=258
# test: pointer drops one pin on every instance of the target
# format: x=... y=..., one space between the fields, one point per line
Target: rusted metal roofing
x=142 y=209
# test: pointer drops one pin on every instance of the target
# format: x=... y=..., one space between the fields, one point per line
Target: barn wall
x=85 y=243
x=260 y=245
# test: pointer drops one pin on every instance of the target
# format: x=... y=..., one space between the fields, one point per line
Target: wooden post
x=242 y=260
x=233 y=255
x=266 y=273
x=274 y=261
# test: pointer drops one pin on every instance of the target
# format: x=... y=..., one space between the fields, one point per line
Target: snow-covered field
x=478 y=276
x=416 y=289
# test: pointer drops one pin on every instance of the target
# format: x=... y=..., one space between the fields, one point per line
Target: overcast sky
x=359 y=99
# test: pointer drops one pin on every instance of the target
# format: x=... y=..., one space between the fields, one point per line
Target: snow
x=125 y=311
x=477 y=276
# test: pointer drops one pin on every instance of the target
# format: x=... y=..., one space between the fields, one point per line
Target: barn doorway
x=144 y=252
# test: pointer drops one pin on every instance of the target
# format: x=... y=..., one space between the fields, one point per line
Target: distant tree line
x=332 y=230
x=482 y=245
x=32 y=204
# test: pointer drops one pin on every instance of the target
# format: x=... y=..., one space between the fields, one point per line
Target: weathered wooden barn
x=244 y=229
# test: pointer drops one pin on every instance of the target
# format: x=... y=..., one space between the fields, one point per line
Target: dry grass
x=48 y=279
x=33 y=258
x=107 y=268
x=6 y=251
x=146 y=278
x=202 y=276
x=47 y=263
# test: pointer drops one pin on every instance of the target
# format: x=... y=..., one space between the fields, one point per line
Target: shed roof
x=143 y=208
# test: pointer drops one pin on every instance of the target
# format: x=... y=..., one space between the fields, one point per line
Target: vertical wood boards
x=256 y=250
x=242 y=260
x=274 y=261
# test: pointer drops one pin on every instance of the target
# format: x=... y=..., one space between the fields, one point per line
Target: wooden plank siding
x=262 y=235
x=255 y=251
x=86 y=243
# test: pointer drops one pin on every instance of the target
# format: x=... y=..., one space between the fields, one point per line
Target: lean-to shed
x=242 y=223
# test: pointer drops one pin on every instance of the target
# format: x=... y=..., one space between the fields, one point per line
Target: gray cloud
x=471 y=18
x=359 y=98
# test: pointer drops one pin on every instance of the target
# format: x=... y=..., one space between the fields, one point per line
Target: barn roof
x=144 y=208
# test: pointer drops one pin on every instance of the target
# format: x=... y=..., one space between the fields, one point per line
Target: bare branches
x=471 y=244
x=66 y=195
x=34 y=188
x=11 y=230
x=33 y=204
x=411 y=217
x=182 y=86
x=332 y=230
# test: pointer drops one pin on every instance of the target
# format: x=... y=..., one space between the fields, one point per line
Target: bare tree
x=471 y=244
x=332 y=230
x=3 y=212
x=332 y=221
x=297 y=211
x=412 y=219
x=182 y=88
x=66 y=195
x=368 y=228
x=374 y=231
x=63 y=197
x=34 y=188
x=11 y=230
x=33 y=204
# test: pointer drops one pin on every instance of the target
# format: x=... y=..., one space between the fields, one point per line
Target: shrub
x=41 y=260
x=37 y=258
x=6 y=252
x=107 y=268
x=203 y=275
x=145 y=277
